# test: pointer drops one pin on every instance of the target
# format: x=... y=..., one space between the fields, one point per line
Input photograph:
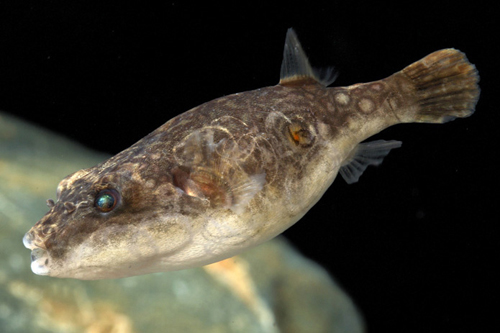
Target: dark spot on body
x=48 y=230
x=69 y=207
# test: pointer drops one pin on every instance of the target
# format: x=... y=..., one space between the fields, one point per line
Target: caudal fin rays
x=445 y=86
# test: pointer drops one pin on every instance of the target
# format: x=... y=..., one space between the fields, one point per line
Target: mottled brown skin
x=295 y=136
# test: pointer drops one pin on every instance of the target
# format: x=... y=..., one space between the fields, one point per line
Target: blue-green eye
x=106 y=200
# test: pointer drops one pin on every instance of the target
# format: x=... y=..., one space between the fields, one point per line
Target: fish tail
x=436 y=89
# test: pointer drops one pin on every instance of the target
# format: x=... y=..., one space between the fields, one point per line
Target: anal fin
x=365 y=154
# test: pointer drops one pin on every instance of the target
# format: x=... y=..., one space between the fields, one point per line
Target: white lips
x=39 y=256
x=39 y=261
x=28 y=241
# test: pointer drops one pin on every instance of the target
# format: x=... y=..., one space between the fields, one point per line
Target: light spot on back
x=342 y=98
x=150 y=183
x=366 y=105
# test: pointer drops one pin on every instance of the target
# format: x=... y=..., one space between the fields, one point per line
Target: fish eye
x=106 y=200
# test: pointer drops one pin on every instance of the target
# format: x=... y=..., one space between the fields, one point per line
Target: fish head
x=107 y=222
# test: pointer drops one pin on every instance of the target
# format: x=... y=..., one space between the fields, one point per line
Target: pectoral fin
x=221 y=191
x=215 y=172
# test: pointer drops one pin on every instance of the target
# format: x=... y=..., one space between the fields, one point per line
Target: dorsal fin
x=295 y=67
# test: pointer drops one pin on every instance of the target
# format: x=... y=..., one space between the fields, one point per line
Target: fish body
x=234 y=172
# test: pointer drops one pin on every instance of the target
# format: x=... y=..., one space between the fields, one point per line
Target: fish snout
x=39 y=256
x=28 y=240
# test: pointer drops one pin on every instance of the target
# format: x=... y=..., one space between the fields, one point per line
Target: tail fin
x=444 y=86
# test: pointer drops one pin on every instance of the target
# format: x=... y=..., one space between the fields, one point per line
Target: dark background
x=414 y=242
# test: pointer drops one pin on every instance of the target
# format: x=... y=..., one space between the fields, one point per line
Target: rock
x=270 y=288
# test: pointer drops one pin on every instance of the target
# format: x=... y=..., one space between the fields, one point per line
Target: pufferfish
x=237 y=171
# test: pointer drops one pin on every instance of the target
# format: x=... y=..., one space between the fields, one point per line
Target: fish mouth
x=39 y=257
